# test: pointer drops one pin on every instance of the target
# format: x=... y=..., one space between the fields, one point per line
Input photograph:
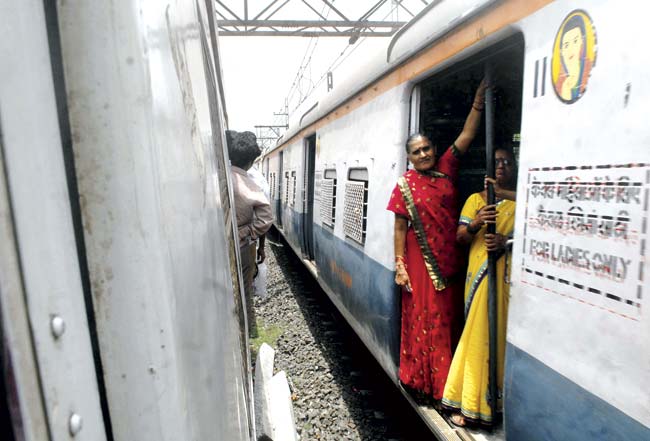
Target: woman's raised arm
x=473 y=120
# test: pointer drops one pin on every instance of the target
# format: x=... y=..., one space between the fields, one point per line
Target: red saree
x=430 y=318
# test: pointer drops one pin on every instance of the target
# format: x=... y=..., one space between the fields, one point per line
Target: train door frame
x=414 y=119
x=309 y=168
x=278 y=207
x=437 y=89
x=414 y=112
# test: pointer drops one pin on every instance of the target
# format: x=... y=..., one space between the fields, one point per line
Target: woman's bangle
x=399 y=259
x=477 y=108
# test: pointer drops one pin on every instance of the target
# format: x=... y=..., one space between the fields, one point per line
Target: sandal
x=458 y=420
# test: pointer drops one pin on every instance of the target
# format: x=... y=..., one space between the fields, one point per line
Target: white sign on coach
x=585 y=237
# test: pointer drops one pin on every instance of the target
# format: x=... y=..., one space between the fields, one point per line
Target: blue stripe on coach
x=372 y=297
x=543 y=405
x=372 y=300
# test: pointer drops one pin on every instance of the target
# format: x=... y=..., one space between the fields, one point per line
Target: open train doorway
x=439 y=107
x=446 y=97
x=308 y=197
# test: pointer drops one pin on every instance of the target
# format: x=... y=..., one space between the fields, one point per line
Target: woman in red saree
x=427 y=260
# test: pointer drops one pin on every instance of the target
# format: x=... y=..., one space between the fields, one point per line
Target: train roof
x=413 y=37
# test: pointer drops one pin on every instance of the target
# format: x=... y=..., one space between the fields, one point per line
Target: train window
x=355 y=208
x=358 y=174
x=293 y=188
x=328 y=198
x=286 y=188
x=446 y=97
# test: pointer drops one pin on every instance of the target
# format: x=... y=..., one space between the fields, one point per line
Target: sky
x=258 y=72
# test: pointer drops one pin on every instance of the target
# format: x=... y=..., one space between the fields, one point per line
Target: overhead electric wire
x=334 y=65
x=296 y=84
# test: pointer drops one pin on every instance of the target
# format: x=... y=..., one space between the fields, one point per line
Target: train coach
x=577 y=353
x=120 y=309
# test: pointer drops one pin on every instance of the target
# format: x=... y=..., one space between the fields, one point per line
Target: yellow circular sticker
x=574 y=55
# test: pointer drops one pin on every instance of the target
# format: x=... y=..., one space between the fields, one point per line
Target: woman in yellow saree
x=467 y=383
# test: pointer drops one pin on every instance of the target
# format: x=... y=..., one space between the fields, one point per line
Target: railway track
x=340 y=392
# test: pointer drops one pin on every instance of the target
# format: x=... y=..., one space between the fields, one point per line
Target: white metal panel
x=380 y=130
x=24 y=398
x=600 y=343
x=156 y=245
x=433 y=23
x=43 y=225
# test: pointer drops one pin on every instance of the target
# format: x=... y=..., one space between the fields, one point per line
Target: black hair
x=412 y=138
x=515 y=170
x=575 y=22
x=230 y=137
x=507 y=149
x=242 y=148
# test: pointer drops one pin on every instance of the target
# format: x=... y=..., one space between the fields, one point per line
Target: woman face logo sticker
x=574 y=55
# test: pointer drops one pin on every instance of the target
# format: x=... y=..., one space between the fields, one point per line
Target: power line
x=303 y=65
x=332 y=66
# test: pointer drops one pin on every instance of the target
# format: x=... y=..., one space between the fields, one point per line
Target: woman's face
x=422 y=154
x=504 y=167
x=571 y=47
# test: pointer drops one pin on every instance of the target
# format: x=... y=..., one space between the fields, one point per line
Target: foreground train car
x=120 y=309
x=577 y=356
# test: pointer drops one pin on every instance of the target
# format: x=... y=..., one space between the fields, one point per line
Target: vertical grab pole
x=492 y=258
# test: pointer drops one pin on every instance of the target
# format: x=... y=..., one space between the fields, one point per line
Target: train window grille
x=328 y=198
x=293 y=189
x=355 y=209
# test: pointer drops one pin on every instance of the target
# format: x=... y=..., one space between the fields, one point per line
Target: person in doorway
x=427 y=259
x=467 y=384
x=252 y=208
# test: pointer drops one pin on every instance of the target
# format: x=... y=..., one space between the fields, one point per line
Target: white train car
x=577 y=356
x=120 y=307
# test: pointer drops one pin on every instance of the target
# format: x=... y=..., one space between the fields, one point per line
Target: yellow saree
x=467 y=384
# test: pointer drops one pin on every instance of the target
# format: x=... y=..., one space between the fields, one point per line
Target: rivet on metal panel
x=75 y=424
x=57 y=326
